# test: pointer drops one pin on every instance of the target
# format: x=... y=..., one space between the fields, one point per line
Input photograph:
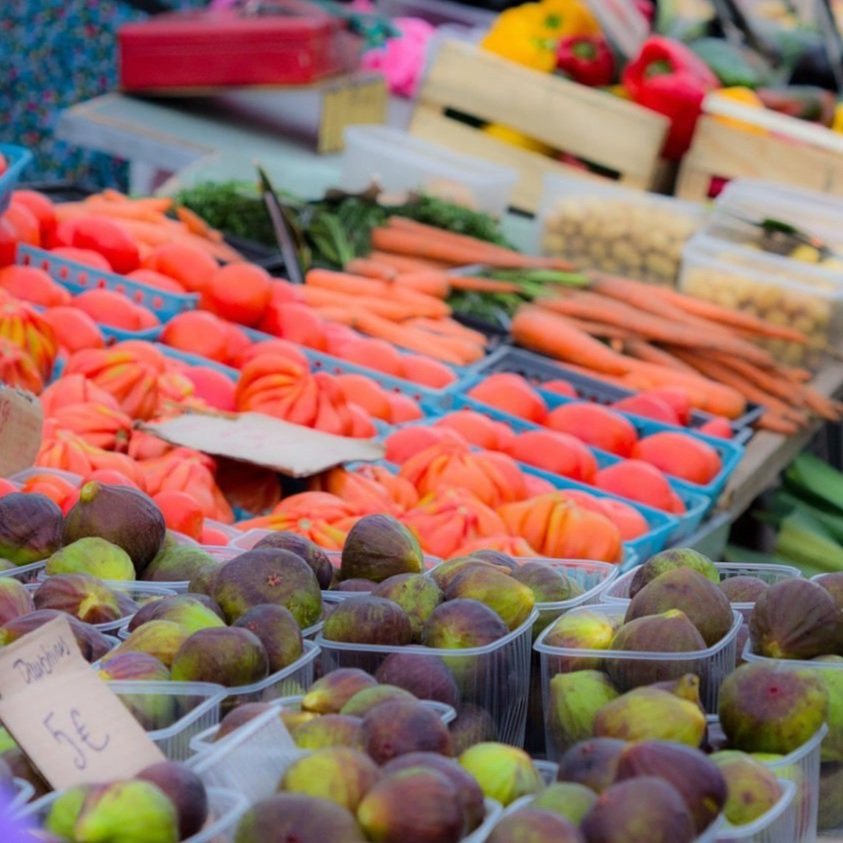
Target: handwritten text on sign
x=65 y=718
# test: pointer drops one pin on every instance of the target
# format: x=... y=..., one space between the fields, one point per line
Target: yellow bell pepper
x=516 y=138
x=837 y=125
x=743 y=96
x=568 y=17
x=518 y=35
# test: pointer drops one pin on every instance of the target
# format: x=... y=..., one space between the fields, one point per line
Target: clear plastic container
x=778 y=825
x=397 y=161
x=21 y=792
x=293 y=679
x=618 y=591
x=225 y=807
x=802 y=767
x=782 y=291
x=712 y=664
x=171 y=712
x=615 y=229
x=26 y=573
x=495 y=677
x=206 y=740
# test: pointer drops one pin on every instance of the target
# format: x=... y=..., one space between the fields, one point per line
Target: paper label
x=21 y=420
x=64 y=717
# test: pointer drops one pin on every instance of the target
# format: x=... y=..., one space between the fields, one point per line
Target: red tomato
x=25 y=223
x=41 y=208
x=3 y=164
x=105 y=237
x=8 y=242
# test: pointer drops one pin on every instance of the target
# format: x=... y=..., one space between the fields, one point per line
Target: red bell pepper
x=668 y=78
x=587 y=59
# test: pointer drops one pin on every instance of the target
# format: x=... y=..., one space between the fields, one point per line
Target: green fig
x=95 y=556
x=575 y=699
x=329 y=693
x=339 y=774
x=504 y=773
x=752 y=789
x=568 y=799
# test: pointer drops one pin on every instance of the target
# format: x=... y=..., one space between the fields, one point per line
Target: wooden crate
x=790 y=151
x=584 y=122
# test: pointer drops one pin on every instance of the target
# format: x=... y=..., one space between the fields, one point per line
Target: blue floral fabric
x=54 y=54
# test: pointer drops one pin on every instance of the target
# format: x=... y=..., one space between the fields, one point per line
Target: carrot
x=449 y=328
x=733 y=318
x=428 y=231
x=196 y=225
x=369 y=268
x=556 y=337
x=404 y=263
x=642 y=350
x=600 y=329
x=433 y=282
x=766 y=380
x=340 y=315
x=777 y=424
x=591 y=306
x=393 y=310
x=422 y=343
x=475 y=284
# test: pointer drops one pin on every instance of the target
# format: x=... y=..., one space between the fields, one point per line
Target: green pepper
x=731 y=65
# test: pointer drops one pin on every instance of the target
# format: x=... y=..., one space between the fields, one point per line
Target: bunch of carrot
x=401 y=314
x=148 y=222
x=657 y=338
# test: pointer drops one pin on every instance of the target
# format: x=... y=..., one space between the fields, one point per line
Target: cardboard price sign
x=21 y=419
x=63 y=716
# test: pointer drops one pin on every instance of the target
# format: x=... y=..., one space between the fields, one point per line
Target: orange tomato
x=512 y=394
x=596 y=425
x=28 y=283
x=240 y=292
x=198 y=332
x=680 y=455
x=41 y=208
x=181 y=513
x=187 y=264
x=103 y=236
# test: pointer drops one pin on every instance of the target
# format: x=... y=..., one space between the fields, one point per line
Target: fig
x=640 y=810
x=315 y=557
x=535 y=825
x=339 y=774
x=417 y=595
x=399 y=726
x=95 y=556
x=30 y=527
x=122 y=515
x=357 y=586
x=92 y=643
x=702 y=602
x=833 y=584
x=238 y=716
x=178 y=563
x=204 y=581
x=329 y=693
x=15 y=599
x=136 y=666
x=796 y=619
x=592 y=763
x=378 y=547
x=185 y=790
x=568 y=799
x=229 y=656
x=472 y=725
x=751 y=788
x=669 y=631
x=575 y=698
x=187 y=610
x=368 y=698
x=764 y=708
x=445 y=573
x=161 y=639
x=425 y=677
x=686 y=687
x=133 y=811
x=651 y=714
x=694 y=777
x=468 y=791
x=669 y=560
x=582 y=629
x=505 y=773
x=292 y=718
x=743 y=589
x=548 y=584
x=830 y=796
x=832 y=678
x=462 y=623
x=368 y=620
x=495 y=557
x=294 y=817
x=513 y=601
x=65 y=810
x=268 y=576
x=81 y=595
x=329 y=730
x=277 y=630
x=417 y=805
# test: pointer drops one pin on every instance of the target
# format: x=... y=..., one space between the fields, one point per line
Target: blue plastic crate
x=537 y=369
x=17 y=159
x=697 y=505
x=78 y=278
x=730 y=452
x=119 y=335
x=430 y=399
x=197 y=360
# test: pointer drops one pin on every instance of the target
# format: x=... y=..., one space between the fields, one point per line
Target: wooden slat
x=727 y=151
x=582 y=121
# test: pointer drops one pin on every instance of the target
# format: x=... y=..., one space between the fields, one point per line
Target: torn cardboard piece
x=21 y=422
x=263 y=440
x=63 y=716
